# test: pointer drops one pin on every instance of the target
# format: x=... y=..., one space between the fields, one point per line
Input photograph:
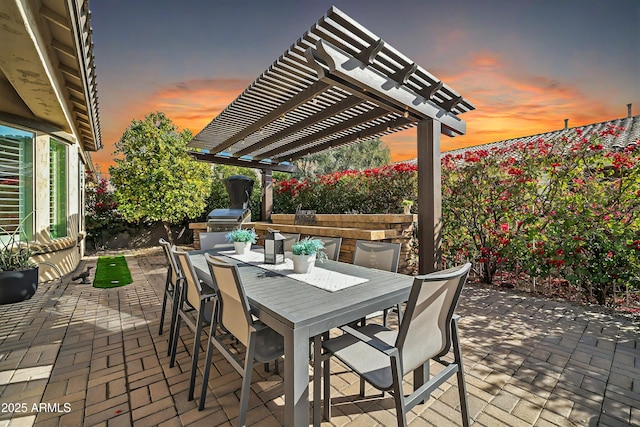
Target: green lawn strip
x=111 y=272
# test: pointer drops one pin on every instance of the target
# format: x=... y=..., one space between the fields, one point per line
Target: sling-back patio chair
x=383 y=356
x=381 y=256
x=331 y=246
x=289 y=240
x=262 y=343
x=195 y=308
x=171 y=289
x=214 y=240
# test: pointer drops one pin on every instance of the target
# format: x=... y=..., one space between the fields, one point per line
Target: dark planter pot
x=16 y=286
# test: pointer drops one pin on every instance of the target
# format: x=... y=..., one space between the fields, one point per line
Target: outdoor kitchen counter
x=351 y=227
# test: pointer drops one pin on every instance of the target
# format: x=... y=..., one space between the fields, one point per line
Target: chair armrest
x=375 y=343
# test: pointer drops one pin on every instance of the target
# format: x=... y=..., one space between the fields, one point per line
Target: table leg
x=296 y=378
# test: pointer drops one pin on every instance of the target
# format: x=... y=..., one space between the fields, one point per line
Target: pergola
x=339 y=84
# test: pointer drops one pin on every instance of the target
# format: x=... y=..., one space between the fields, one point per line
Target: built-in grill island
x=239 y=188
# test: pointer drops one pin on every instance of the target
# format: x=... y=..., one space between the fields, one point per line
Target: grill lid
x=229 y=215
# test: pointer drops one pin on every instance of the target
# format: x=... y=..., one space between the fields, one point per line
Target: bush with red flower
x=564 y=208
x=376 y=190
x=101 y=216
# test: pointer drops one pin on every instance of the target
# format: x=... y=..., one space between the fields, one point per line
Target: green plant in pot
x=406 y=206
x=305 y=253
x=242 y=238
x=18 y=273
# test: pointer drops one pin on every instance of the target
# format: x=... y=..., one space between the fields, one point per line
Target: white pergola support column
x=429 y=196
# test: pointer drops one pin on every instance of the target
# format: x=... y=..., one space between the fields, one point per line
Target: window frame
x=58 y=218
x=26 y=201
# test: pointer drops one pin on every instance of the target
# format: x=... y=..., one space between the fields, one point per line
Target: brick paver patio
x=75 y=355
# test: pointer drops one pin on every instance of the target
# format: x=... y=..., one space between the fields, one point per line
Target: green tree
x=156 y=179
x=368 y=154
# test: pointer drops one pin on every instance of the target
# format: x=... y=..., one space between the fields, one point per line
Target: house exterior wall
x=51 y=93
x=56 y=256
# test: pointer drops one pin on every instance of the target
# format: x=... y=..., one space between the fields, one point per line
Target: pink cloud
x=190 y=104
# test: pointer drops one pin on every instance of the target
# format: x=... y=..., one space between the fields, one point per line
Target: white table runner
x=319 y=277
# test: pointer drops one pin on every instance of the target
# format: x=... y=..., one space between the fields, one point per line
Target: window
x=57 y=189
x=16 y=181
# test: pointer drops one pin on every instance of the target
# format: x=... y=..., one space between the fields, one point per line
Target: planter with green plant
x=18 y=273
x=406 y=205
x=305 y=253
x=242 y=238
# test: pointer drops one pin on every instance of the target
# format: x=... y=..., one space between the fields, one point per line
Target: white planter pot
x=303 y=264
x=242 y=247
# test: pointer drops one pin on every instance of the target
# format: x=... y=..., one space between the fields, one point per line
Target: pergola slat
x=338 y=84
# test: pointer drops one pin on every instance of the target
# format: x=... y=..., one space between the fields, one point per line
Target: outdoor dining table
x=300 y=311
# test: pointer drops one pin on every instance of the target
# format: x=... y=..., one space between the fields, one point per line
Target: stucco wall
x=64 y=253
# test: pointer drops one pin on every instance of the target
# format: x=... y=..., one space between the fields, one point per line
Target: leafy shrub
x=350 y=191
x=562 y=207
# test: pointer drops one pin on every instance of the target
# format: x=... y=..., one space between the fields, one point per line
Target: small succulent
x=308 y=246
x=14 y=255
x=242 y=235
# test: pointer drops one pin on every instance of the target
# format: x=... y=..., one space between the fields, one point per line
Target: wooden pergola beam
x=232 y=161
x=340 y=127
x=333 y=65
x=302 y=97
x=302 y=124
x=354 y=137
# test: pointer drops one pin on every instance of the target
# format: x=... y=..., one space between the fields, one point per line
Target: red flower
x=515 y=171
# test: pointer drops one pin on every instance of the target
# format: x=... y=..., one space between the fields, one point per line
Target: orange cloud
x=190 y=104
x=511 y=102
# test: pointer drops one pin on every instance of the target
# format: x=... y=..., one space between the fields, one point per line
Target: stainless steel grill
x=239 y=188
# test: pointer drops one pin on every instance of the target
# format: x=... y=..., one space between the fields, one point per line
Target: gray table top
x=298 y=305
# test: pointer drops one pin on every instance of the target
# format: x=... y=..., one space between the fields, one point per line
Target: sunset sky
x=525 y=65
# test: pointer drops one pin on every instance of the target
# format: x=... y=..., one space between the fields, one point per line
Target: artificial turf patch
x=111 y=272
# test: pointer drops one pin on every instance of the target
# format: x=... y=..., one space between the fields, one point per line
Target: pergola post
x=429 y=196
x=267 y=195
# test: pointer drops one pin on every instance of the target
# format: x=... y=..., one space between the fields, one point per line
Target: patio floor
x=96 y=353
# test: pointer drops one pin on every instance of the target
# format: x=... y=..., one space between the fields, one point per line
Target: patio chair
x=171 y=289
x=214 y=240
x=195 y=307
x=331 y=246
x=383 y=356
x=381 y=256
x=289 y=240
x=263 y=343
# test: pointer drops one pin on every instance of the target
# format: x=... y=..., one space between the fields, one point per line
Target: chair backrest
x=331 y=246
x=174 y=272
x=235 y=314
x=425 y=331
x=193 y=289
x=379 y=255
x=289 y=240
x=215 y=239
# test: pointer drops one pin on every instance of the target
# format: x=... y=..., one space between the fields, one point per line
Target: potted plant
x=305 y=253
x=242 y=239
x=406 y=204
x=18 y=274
